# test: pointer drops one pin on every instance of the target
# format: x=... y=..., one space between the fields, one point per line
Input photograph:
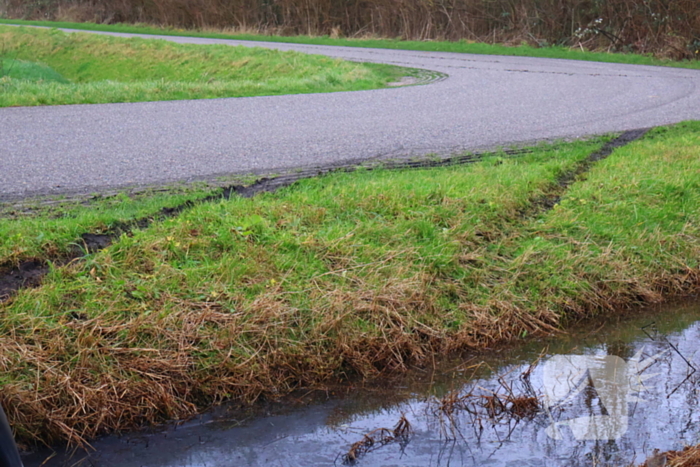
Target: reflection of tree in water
x=660 y=420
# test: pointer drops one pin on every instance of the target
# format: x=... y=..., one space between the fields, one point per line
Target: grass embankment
x=461 y=46
x=344 y=275
x=49 y=67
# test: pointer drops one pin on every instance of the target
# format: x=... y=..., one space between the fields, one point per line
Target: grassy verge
x=428 y=46
x=346 y=275
x=38 y=231
x=48 y=67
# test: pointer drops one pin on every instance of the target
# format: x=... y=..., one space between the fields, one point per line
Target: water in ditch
x=603 y=394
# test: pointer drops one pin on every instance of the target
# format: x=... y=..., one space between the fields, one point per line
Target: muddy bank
x=320 y=429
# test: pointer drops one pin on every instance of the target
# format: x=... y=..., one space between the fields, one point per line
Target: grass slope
x=429 y=46
x=48 y=67
x=345 y=275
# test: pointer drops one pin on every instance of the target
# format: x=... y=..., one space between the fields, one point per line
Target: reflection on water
x=631 y=379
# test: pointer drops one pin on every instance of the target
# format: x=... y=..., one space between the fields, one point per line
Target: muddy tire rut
x=29 y=273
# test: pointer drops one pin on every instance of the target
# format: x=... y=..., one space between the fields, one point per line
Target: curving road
x=486 y=101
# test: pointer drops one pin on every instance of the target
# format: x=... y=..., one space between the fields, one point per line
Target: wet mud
x=496 y=408
x=27 y=274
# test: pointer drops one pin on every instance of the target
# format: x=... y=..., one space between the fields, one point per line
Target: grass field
x=49 y=67
x=383 y=43
x=346 y=275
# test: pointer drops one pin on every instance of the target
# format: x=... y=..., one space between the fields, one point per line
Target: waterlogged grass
x=48 y=67
x=428 y=46
x=346 y=275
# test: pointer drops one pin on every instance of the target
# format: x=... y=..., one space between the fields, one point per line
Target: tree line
x=662 y=27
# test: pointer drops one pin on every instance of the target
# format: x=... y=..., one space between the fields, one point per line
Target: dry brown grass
x=103 y=374
x=491 y=405
x=687 y=457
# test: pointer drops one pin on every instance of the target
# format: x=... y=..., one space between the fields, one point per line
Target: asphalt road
x=486 y=101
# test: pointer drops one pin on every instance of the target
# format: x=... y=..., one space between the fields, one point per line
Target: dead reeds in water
x=501 y=406
x=687 y=457
x=378 y=438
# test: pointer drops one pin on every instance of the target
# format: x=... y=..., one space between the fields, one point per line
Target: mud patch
x=27 y=274
x=96 y=242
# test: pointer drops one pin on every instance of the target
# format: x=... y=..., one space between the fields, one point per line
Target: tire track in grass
x=546 y=202
x=30 y=273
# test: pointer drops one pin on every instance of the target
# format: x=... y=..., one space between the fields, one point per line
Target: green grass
x=429 y=46
x=29 y=71
x=343 y=275
x=47 y=67
x=630 y=232
x=48 y=231
x=51 y=230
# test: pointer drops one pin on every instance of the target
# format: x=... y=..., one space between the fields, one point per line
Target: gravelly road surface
x=486 y=101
